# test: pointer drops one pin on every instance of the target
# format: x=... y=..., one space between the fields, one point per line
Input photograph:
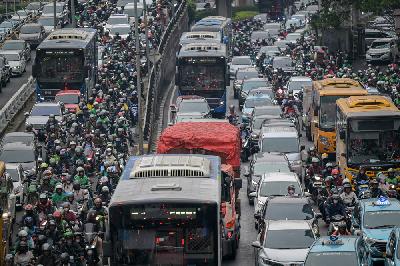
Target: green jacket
x=83 y=181
x=58 y=198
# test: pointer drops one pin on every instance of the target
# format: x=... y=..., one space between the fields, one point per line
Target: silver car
x=16 y=61
x=18 y=45
x=40 y=113
x=284 y=242
x=32 y=33
x=14 y=154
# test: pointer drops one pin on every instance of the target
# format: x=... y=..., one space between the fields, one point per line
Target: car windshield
x=11 y=57
x=13 y=46
x=30 y=29
x=293 y=37
x=45 y=110
x=17 y=156
x=281 y=62
x=120 y=30
x=278 y=144
x=381 y=219
x=67 y=98
x=257 y=101
x=277 y=188
x=49 y=9
x=190 y=107
x=240 y=75
x=380 y=45
x=118 y=20
x=14 y=174
x=261 y=168
x=289 y=239
x=333 y=258
x=241 y=61
x=22 y=13
x=248 y=85
x=297 y=85
x=46 y=21
x=287 y=211
x=27 y=140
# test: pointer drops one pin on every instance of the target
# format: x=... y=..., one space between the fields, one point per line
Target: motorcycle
x=334 y=224
x=362 y=187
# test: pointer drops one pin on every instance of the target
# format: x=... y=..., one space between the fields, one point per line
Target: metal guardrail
x=16 y=104
x=154 y=85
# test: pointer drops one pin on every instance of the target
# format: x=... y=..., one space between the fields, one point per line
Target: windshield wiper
x=382 y=226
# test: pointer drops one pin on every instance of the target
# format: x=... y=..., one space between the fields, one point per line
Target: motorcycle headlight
x=254 y=135
x=324 y=140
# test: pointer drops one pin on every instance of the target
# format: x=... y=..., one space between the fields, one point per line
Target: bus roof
x=336 y=83
x=342 y=91
x=368 y=106
x=174 y=186
x=202 y=49
x=68 y=38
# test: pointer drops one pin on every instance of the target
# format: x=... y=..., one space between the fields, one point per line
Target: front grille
x=381 y=246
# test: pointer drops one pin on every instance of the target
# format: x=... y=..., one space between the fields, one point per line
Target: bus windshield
x=328 y=112
x=163 y=234
x=373 y=147
x=203 y=77
x=61 y=66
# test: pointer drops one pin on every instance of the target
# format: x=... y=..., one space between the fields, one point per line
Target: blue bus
x=66 y=59
x=202 y=70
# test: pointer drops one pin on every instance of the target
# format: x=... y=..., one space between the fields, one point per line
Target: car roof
x=289 y=200
x=266 y=156
x=300 y=78
x=17 y=146
x=279 y=176
x=321 y=244
x=256 y=79
x=19 y=134
x=10 y=52
x=369 y=205
x=288 y=225
x=282 y=131
x=46 y=104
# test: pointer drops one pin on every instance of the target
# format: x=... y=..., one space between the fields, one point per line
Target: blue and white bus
x=202 y=70
x=66 y=59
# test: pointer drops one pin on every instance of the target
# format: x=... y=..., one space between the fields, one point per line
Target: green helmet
x=68 y=234
x=32 y=189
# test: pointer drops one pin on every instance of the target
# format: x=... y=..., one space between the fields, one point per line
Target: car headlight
x=324 y=140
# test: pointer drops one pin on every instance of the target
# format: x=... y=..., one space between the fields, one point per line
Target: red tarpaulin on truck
x=215 y=138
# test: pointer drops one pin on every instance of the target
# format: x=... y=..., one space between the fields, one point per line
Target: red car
x=70 y=98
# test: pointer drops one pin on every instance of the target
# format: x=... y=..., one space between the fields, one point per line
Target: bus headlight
x=221 y=102
x=324 y=140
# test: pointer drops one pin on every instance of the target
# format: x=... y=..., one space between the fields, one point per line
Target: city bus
x=202 y=70
x=219 y=24
x=320 y=127
x=368 y=135
x=171 y=210
x=66 y=59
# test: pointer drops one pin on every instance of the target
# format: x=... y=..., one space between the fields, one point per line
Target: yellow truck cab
x=322 y=110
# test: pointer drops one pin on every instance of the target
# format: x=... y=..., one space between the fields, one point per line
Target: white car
x=48 y=23
x=239 y=62
x=61 y=12
x=16 y=60
x=297 y=83
x=274 y=184
x=122 y=29
x=40 y=112
x=115 y=20
x=385 y=49
x=17 y=174
x=293 y=37
x=284 y=242
x=190 y=107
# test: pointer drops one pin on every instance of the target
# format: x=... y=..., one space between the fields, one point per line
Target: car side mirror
x=256 y=244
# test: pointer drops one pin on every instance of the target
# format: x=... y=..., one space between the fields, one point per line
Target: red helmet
x=57 y=214
x=28 y=207
x=335 y=171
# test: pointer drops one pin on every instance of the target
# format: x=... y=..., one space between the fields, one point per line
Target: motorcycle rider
x=362 y=176
x=391 y=178
x=44 y=206
x=376 y=191
x=23 y=256
x=72 y=248
x=232 y=117
x=29 y=212
x=58 y=196
x=315 y=167
x=334 y=207
x=78 y=192
x=47 y=258
x=291 y=191
x=348 y=197
x=68 y=215
x=81 y=178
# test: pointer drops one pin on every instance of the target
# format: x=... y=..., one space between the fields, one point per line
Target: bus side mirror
x=107 y=249
x=238 y=183
x=342 y=134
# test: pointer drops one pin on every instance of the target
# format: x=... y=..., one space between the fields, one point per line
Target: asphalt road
x=16 y=83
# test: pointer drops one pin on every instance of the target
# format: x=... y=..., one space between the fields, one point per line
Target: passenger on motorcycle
x=311 y=154
x=348 y=197
x=361 y=176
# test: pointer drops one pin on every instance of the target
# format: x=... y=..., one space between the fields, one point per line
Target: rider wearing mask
x=81 y=178
x=48 y=258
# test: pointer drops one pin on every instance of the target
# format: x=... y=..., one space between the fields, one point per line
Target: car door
x=391 y=249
